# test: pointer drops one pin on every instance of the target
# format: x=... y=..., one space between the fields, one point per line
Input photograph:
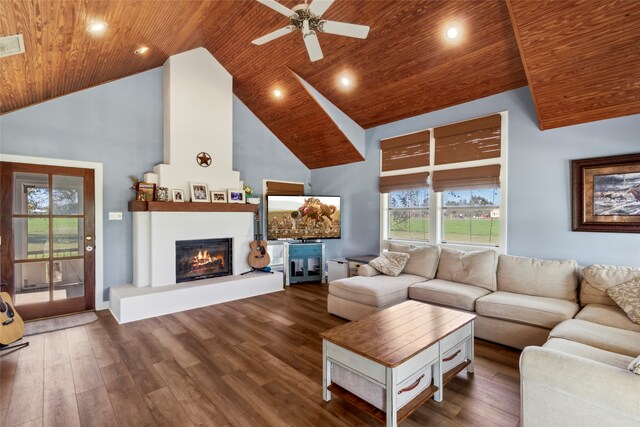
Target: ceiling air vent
x=11 y=45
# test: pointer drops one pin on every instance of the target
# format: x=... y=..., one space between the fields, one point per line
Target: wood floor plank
x=26 y=402
x=166 y=410
x=95 y=408
x=60 y=405
x=253 y=362
x=86 y=373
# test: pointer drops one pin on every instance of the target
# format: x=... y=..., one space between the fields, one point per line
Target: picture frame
x=218 y=197
x=199 y=192
x=177 y=196
x=606 y=194
x=162 y=194
x=235 y=196
x=145 y=191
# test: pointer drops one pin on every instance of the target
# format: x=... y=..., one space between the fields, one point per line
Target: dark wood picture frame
x=584 y=173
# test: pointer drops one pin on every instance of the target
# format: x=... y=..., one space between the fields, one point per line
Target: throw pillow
x=423 y=260
x=627 y=296
x=390 y=263
x=634 y=366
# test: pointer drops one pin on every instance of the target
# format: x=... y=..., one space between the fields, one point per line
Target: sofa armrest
x=367 y=271
x=562 y=389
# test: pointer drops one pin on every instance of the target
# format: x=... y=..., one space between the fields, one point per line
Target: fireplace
x=202 y=259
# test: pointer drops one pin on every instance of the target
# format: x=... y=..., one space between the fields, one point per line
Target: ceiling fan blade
x=313 y=46
x=344 y=29
x=273 y=35
x=318 y=7
x=278 y=7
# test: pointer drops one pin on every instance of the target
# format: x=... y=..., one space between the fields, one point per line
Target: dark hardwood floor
x=253 y=362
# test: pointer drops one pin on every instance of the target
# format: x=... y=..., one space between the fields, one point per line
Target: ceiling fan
x=308 y=19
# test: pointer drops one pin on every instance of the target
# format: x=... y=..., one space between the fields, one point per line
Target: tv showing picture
x=303 y=217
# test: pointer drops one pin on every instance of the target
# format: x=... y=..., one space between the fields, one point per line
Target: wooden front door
x=47 y=221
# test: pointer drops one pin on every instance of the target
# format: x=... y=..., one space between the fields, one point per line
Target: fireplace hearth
x=203 y=259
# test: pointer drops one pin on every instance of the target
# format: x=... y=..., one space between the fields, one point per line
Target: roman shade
x=405 y=152
x=279 y=188
x=466 y=178
x=476 y=139
x=403 y=182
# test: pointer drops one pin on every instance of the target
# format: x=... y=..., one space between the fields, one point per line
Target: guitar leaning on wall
x=258 y=257
x=11 y=324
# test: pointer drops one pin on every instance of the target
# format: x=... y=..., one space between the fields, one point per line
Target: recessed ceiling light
x=97 y=27
x=141 y=50
x=345 y=81
x=452 y=33
x=278 y=93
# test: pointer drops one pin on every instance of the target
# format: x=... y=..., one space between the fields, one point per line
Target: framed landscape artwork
x=606 y=194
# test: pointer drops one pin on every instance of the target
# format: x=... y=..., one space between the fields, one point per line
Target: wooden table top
x=395 y=334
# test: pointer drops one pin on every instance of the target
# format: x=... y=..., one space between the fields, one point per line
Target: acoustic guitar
x=11 y=324
x=258 y=257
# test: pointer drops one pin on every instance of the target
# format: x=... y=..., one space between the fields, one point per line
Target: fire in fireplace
x=202 y=259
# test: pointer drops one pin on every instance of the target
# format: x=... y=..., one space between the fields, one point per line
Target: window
x=471 y=216
x=455 y=197
x=409 y=214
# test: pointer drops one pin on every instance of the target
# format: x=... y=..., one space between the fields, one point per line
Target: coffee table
x=395 y=353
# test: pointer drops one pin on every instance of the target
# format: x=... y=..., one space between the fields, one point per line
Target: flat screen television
x=303 y=217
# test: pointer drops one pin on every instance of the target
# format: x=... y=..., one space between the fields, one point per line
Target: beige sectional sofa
x=578 y=377
x=517 y=300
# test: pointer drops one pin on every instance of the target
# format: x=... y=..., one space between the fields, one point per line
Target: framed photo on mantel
x=606 y=194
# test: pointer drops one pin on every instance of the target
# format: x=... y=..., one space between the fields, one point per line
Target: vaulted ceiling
x=404 y=68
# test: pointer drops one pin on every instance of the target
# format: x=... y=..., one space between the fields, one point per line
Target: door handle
x=89 y=247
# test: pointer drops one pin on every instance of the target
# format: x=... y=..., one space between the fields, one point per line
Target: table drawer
x=455 y=338
x=357 y=363
x=454 y=357
x=376 y=394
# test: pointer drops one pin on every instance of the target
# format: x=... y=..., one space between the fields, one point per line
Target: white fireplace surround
x=155 y=235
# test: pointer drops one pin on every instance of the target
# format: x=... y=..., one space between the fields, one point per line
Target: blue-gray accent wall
x=120 y=124
x=539 y=181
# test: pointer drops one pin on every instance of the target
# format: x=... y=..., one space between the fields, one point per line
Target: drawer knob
x=412 y=386
x=453 y=356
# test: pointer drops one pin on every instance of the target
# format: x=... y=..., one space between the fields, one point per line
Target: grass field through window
x=66 y=239
x=456 y=230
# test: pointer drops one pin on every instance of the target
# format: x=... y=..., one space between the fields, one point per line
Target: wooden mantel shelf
x=137 y=206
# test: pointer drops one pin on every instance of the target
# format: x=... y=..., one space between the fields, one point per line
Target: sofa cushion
x=376 y=291
x=367 y=271
x=476 y=268
x=600 y=336
x=390 y=263
x=582 y=350
x=627 y=296
x=527 y=309
x=538 y=277
x=607 y=316
x=597 y=278
x=423 y=261
x=634 y=366
x=450 y=294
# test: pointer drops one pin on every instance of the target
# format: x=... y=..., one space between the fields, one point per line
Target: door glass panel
x=31 y=193
x=31 y=282
x=68 y=237
x=68 y=195
x=31 y=238
x=68 y=279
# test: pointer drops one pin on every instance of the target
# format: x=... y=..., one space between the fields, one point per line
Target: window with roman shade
x=279 y=188
x=461 y=202
x=405 y=152
x=476 y=139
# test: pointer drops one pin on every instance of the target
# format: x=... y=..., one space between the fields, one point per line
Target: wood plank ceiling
x=582 y=58
x=404 y=68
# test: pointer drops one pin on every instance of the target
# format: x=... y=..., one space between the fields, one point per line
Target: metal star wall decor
x=203 y=159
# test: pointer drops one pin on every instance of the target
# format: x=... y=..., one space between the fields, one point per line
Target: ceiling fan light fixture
x=141 y=50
